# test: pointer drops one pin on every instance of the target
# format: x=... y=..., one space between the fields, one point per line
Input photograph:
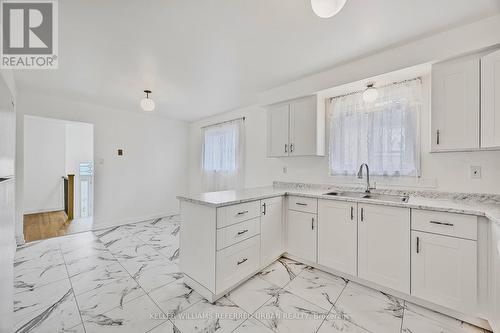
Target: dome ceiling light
x=370 y=94
x=147 y=104
x=327 y=8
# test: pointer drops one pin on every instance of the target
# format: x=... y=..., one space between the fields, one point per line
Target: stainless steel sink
x=373 y=196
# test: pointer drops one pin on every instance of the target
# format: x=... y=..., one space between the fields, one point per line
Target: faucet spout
x=360 y=176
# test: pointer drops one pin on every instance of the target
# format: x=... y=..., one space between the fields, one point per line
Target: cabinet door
x=278 y=130
x=495 y=277
x=490 y=100
x=444 y=270
x=384 y=246
x=303 y=127
x=455 y=104
x=337 y=235
x=271 y=227
x=301 y=235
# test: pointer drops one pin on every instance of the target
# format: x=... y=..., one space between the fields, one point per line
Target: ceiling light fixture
x=327 y=8
x=147 y=104
x=370 y=94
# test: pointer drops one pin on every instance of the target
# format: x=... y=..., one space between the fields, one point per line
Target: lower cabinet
x=301 y=235
x=495 y=277
x=384 y=246
x=444 y=270
x=337 y=235
x=271 y=226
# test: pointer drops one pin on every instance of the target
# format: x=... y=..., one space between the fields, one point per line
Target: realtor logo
x=29 y=34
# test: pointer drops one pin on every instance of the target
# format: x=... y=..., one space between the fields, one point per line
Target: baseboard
x=119 y=222
x=45 y=210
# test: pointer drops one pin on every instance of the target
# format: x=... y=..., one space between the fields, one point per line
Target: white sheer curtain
x=384 y=134
x=223 y=156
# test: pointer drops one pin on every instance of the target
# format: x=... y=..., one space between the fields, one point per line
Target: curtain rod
x=386 y=85
x=223 y=122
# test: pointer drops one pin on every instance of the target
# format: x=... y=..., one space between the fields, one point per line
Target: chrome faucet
x=360 y=176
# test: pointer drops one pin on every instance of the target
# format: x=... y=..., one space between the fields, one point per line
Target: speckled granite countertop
x=487 y=205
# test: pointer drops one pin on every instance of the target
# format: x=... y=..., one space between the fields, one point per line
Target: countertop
x=463 y=203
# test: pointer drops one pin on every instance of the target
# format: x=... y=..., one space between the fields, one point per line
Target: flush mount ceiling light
x=147 y=104
x=370 y=94
x=327 y=8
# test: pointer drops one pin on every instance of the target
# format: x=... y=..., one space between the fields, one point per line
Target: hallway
x=52 y=224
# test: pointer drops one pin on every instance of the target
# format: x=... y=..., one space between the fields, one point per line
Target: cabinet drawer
x=237 y=262
x=237 y=232
x=449 y=224
x=301 y=204
x=237 y=213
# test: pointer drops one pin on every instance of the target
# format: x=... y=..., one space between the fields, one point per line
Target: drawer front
x=301 y=204
x=237 y=213
x=237 y=232
x=449 y=224
x=237 y=262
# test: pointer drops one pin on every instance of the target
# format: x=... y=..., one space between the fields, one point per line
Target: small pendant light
x=147 y=104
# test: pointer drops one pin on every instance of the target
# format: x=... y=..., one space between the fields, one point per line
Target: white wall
x=444 y=172
x=139 y=185
x=44 y=164
x=79 y=148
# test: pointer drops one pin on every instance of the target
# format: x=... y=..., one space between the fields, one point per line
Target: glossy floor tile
x=127 y=279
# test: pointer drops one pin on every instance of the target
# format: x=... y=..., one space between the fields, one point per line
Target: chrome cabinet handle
x=312 y=223
x=286 y=148
x=291 y=147
x=264 y=209
x=442 y=223
x=241 y=261
x=437 y=136
x=418 y=244
x=242 y=232
x=352 y=213
x=362 y=214
x=300 y=204
x=243 y=212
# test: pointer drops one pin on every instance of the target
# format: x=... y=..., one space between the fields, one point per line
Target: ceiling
x=201 y=57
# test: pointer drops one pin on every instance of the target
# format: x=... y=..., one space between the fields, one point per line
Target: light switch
x=475 y=172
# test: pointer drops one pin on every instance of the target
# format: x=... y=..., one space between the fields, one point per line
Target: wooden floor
x=52 y=224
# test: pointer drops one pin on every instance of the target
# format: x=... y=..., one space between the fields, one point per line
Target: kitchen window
x=223 y=155
x=383 y=134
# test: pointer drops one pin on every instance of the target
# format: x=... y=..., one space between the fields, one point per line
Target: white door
x=384 y=246
x=271 y=226
x=490 y=100
x=301 y=235
x=278 y=130
x=455 y=104
x=303 y=126
x=337 y=235
x=444 y=270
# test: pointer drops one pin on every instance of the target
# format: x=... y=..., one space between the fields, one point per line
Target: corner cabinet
x=465 y=110
x=296 y=128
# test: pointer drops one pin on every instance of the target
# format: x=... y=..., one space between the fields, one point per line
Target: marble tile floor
x=127 y=279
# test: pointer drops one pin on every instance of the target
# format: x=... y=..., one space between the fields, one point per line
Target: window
x=223 y=153
x=383 y=134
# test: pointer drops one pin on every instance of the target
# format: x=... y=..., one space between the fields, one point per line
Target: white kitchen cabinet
x=271 y=236
x=455 y=104
x=301 y=235
x=337 y=235
x=278 y=130
x=296 y=128
x=444 y=270
x=384 y=246
x=490 y=100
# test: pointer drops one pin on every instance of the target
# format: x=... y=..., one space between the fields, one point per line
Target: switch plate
x=475 y=172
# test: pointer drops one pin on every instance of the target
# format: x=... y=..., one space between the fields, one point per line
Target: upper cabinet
x=296 y=128
x=455 y=104
x=490 y=100
x=466 y=103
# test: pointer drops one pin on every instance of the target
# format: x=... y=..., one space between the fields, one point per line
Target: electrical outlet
x=475 y=172
x=285 y=169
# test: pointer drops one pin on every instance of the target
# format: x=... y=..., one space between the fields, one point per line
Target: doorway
x=58 y=177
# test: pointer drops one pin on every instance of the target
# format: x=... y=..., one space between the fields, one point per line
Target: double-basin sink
x=366 y=195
